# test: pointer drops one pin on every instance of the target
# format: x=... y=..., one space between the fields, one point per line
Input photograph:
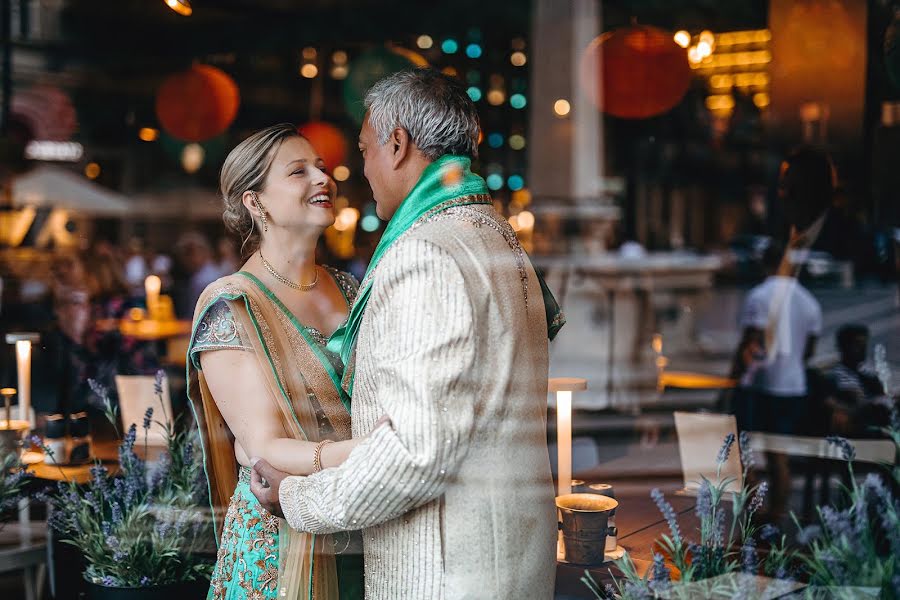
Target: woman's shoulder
x=227 y=287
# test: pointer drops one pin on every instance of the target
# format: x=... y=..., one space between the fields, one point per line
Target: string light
x=309 y=70
x=473 y=51
x=92 y=170
x=515 y=182
x=449 y=46
x=495 y=140
x=496 y=97
x=682 y=38
x=474 y=93
x=518 y=101
x=516 y=141
x=495 y=181
x=182 y=7
x=518 y=59
x=341 y=173
x=148 y=134
x=561 y=107
x=424 y=42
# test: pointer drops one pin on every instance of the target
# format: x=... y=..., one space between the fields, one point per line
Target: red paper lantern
x=643 y=72
x=328 y=141
x=197 y=104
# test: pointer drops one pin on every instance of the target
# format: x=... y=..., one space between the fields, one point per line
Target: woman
x=261 y=381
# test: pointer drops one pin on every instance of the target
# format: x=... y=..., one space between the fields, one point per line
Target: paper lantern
x=197 y=104
x=328 y=141
x=214 y=149
x=368 y=68
x=635 y=72
x=47 y=112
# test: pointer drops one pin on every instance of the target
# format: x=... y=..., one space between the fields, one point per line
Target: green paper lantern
x=368 y=68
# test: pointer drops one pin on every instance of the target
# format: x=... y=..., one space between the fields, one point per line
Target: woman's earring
x=262 y=212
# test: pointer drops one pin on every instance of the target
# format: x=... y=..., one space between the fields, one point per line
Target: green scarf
x=445 y=183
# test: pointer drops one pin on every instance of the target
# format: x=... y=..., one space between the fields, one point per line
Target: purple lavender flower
x=120 y=555
x=847 y=449
x=116 y=515
x=704 y=500
x=759 y=496
x=748 y=556
x=113 y=542
x=808 y=534
x=725 y=450
x=661 y=577
x=188 y=453
x=836 y=523
x=148 y=417
x=145 y=581
x=769 y=532
x=747 y=457
x=668 y=513
x=108 y=581
x=163 y=528
x=158 y=381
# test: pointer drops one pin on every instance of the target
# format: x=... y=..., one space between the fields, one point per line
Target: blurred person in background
x=196 y=270
x=229 y=259
x=857 y=400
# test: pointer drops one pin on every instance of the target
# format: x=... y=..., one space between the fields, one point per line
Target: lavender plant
x=13 y=481
x=141 y=526
x=848 y=549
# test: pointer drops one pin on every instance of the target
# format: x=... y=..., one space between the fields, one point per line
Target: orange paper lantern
x=328 y=141
x=642 y=72
x=197 y=104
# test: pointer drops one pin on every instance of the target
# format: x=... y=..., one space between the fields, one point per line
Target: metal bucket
x=584 y=520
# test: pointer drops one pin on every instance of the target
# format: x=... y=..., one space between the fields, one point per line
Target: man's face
x=379 y=171
x=857 y=348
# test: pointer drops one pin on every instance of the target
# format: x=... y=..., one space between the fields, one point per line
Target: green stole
x=445 y=183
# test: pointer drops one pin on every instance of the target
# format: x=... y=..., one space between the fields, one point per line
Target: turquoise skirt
x=247 y=561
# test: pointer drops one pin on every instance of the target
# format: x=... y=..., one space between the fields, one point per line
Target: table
x=147 y=330
x=24 y=547
x=640 y=524
x=629 y=285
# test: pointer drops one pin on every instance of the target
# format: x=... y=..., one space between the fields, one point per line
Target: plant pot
x=186 y=589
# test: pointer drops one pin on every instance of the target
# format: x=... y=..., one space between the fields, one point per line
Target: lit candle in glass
x=563 y=387
x=152 y=285
x=23 y=343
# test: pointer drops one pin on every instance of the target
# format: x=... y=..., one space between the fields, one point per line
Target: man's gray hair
x=432 y=107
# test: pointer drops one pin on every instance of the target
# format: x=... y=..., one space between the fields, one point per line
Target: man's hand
x=265 y=480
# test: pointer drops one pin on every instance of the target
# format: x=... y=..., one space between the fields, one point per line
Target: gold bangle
x=317 y=455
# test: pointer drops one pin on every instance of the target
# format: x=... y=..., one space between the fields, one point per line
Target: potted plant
x=853 y=552
x=13 y=481
x=140 y=529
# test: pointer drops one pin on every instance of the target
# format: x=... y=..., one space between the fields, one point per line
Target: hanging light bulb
x=182 y=7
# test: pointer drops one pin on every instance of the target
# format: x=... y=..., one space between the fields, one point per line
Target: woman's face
x=298 y=193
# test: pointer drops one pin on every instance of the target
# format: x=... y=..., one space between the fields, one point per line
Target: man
x=857 y=398
x=448 y=338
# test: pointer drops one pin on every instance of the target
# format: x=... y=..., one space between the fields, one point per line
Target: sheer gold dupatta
x=292 y=368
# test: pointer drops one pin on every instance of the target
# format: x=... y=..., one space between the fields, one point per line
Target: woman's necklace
x=303 y=287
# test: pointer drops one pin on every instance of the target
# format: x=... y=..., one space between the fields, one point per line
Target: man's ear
x=400 y=146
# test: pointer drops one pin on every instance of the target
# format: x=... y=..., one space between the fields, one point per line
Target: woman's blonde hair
x=245 y=169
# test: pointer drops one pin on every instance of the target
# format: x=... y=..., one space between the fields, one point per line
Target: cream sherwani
x=456 y=501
